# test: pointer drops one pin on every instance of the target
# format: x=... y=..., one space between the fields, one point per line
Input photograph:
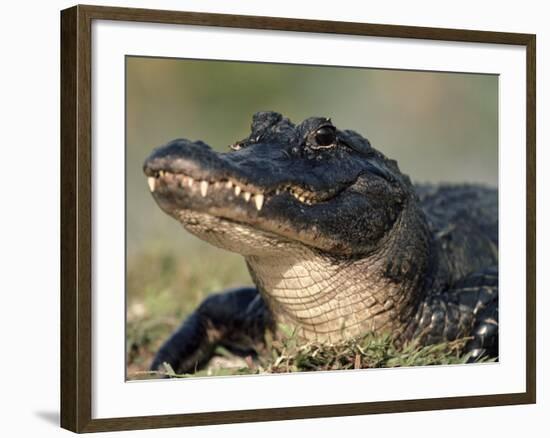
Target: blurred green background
x=438 y=126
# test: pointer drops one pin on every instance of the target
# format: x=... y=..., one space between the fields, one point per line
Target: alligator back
x=464 y=222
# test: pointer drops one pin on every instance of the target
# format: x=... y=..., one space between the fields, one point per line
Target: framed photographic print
x=268 y=218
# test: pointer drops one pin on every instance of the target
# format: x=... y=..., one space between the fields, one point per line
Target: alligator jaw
x=203 y=206
x=231 y=189
x=195 y=189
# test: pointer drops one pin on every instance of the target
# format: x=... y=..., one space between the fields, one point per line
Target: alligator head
x=311 y=183
x=296 y=198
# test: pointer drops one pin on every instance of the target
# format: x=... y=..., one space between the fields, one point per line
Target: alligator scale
x=339 y=243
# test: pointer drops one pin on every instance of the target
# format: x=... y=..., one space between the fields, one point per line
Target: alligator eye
x=325 y=136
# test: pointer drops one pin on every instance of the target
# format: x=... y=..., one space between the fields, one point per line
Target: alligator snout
x=183 y=156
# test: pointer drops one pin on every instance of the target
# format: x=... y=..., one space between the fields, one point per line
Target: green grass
x=163 y=288
x=287 y=355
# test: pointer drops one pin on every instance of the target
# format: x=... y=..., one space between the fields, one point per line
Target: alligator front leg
x=236 y=317
x=469 y=309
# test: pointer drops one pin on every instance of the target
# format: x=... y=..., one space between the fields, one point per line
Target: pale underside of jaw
x=229 y=187
x=232 y=235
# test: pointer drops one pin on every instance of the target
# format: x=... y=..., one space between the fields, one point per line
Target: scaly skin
x=338 y=241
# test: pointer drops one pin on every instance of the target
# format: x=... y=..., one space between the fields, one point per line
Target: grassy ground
x=164 y=287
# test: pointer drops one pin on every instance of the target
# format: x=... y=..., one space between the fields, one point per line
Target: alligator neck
x=329 y=299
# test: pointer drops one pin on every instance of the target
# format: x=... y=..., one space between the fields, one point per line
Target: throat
x=329 y=299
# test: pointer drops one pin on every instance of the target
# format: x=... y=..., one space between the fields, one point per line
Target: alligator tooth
x=190 y=182
x=277 y=191
x=204 y=188
x=259 y=201
x=246 y=196
x=151 y=182
x=302 y=199
x=161 y=173
x=237 y=190
x=228 y=184
x=217 y=184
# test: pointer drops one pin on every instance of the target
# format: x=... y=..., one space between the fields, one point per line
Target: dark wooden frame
x=76 y=177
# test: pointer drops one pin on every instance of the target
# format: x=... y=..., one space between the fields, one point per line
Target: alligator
x=338 y=242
